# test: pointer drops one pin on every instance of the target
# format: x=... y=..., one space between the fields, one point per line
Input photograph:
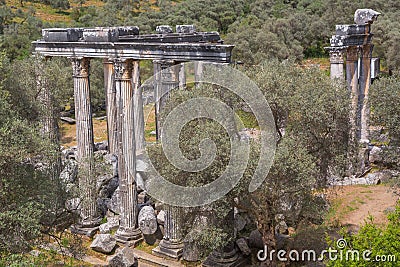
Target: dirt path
x=352 y=205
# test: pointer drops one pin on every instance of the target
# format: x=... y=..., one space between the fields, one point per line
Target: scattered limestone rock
x=111 y=224
x=158 y=205
x=161 y=217
x=375 y=155
x=124 y=258
x=243 y=246
x=240 y=222
x=147 y=220
x=255 y=240
x=103 y=243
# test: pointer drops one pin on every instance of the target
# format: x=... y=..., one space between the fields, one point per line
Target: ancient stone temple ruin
x=122 y=48
x=354 y=43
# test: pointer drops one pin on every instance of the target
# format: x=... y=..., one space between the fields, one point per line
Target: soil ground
x=352 y=205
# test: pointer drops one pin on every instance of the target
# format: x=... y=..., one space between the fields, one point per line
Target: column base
x=84 y=230
x=129 y=236
x=86 y=227
x=232 y=258
x=169 y=249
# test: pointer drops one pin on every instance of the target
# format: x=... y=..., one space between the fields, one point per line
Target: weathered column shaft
x=198 y=72
x=336 y=60
x=128 y=229
x=182 y=76
x=138 y=108
x=111 y=106
x=172 y=230
x=85 y=144
x=364 y=83
x=166 y=78
x=48 y=117
x=352 y=84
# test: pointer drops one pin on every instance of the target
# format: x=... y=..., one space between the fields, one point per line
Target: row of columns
x=358 y=79
x=121 y=81
x=125 y=123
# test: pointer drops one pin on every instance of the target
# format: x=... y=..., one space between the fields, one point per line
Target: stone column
x=182 y=77
x=336 y=60
x=172 y=243
x=363 y=108
x=48 y=117
x=352 y=85
x=111 y=105
x=166 y=78
x=352 y=56
x=128 y=230
x=365 y=83
x=138 y=106
x=85 y=147
x=198 y=72
x=166 y=75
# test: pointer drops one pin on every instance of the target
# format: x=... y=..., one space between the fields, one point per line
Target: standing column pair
x=111 y=107
x=126 y=75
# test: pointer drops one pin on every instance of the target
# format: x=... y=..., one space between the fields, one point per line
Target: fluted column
x=352 y=84
x=198 y=72
x=111 y=105
x=48 y=116
x=85 y=144
x=166 y=78
x=336 y=60
x=128 y=229
x=182 y=76
x=365 y=83
x=352 y=55
x=138 y=108
x=172 y=243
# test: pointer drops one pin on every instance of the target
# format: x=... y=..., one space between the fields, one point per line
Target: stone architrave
x=166 y=78
x=128 y=230
x=85 y=145
x=336 y=60
x=111 y=106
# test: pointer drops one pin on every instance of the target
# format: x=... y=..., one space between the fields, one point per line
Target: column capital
x=123 y=69
x=80 y=67
x=352 y=53
x=336 y=56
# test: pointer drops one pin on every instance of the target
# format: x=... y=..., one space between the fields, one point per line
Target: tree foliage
x=31 y=202
x=384 y=99
x=382 y=243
